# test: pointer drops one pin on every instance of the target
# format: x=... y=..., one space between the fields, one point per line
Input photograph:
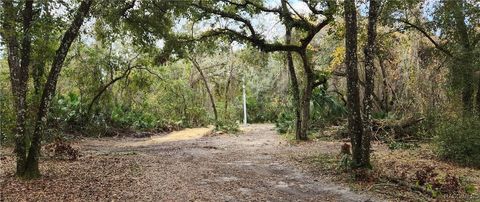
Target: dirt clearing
x=254 y=165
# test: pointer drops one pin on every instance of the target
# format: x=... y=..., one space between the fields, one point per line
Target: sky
x=269 y=24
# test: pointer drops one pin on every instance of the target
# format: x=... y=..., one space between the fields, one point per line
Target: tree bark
x=307 y=96
x=355 y=124
x=467 y=96
x=18 y=67
x=369 y=51
x=478 y=98
x=295 y=88
x=31 y=168
x=227 y=90
x=297 y=102
x=385 y=87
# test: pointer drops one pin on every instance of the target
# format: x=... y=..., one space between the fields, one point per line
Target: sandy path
x=253 y=166
x=182 y=135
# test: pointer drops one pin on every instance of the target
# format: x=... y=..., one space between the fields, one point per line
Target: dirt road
x=251 y=166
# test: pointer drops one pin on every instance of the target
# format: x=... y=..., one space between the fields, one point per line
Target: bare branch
x=232 y=16
x=421 y=30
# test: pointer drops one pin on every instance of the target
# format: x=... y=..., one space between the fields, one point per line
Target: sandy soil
x=255 y=165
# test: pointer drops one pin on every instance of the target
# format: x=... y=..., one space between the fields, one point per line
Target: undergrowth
x=406 y=180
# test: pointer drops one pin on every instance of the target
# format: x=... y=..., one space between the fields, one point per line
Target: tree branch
x=232 y=16
x=105 y=87
x=421 y=30
x=260 y=43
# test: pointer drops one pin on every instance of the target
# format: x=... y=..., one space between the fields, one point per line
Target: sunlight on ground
x=185 y=134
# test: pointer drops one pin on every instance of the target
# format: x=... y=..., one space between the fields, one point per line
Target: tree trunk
x=355 y=124
x=369 y=51
x=297 y=102
x=205 y=82
x=18 y=67
x=478 y=98
x=295 y=88
x=307 y=96
x=385 y=86
x=31 y=168
x=227 y=90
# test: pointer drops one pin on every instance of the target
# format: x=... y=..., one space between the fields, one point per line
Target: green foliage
x=7 y=119
x=458 y=140
x=228 y=126
x=67 y=110
x=124 y=118
x=345 y=162
x=285 y=122
x=327 y=109
x=261 y=109
x=470 y=188
x=7 y=113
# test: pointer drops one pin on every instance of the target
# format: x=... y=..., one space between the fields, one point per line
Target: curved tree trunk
x=31 y=167
x=103 y=89
x=205 y=82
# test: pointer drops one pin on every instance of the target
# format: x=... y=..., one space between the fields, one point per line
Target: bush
x=132 y=119
x=285 y=122
x=228 y=126
x=459 y=141
x=262 y=109
x=327 y=109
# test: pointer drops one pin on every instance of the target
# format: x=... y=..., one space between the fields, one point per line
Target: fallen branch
x=398 y=127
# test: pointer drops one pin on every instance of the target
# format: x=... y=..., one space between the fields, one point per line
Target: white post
x=244 y=102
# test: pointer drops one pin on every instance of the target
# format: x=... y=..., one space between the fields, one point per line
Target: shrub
x=459 y=141
x=228 y=126
x=66 y=111
x=134 y=119
x=262 y=109
x=285 y=122
x=326 y=109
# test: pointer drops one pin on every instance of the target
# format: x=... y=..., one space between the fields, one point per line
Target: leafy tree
x=307 y=26
x=19 y=59
x=451 y=29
